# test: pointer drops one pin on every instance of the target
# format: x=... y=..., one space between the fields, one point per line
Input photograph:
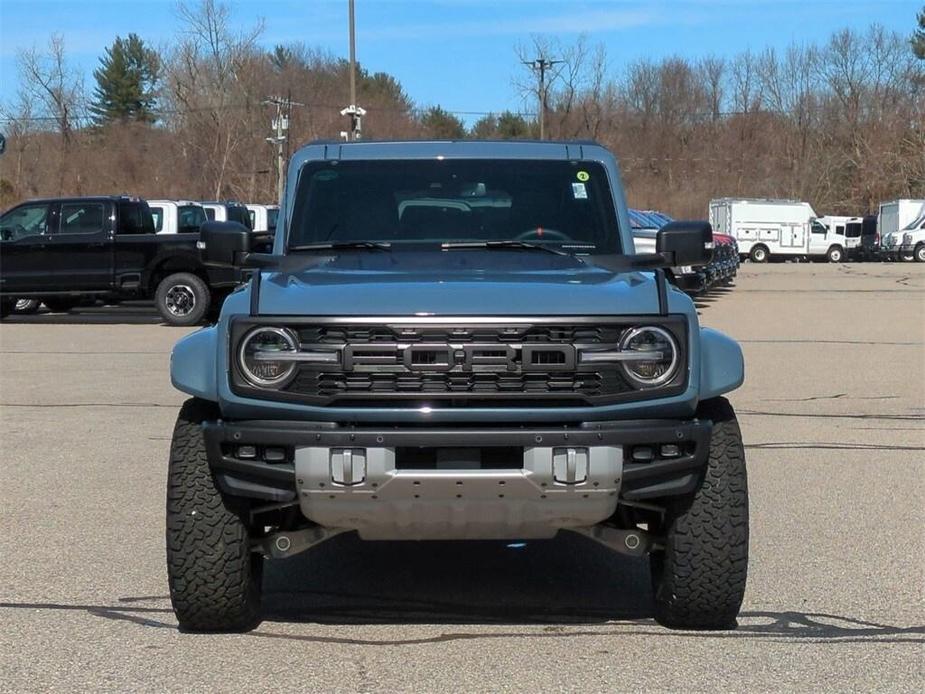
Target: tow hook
x=634 y=542
x=291 y=542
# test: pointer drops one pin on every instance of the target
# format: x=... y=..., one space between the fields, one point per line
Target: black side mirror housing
x=224 y=243
x=685 y=243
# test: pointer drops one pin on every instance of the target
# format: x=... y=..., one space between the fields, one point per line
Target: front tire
x=182 y=299
x=699 y=578
x=835 y=254
x=919 y=253
x=24 y=307
x=214 y=577
x=759 y=254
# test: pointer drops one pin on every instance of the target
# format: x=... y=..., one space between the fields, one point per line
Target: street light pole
x=353 y=55
x=354 y=112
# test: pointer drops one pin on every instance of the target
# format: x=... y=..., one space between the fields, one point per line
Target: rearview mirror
x=224 y=243
x=685 y=243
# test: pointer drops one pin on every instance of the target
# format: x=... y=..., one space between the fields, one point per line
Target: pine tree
x=125 y=82
x=442 y=125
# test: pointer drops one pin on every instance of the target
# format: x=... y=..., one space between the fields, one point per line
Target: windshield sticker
x=583 y=176
x=325 y=175
x=579 y=192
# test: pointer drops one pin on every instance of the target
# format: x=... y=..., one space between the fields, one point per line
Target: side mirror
x=224 y=243
x=685 y=243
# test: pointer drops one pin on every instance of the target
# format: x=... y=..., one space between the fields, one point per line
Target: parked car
x=894 y=217
x=227 y=211
x=64 y=250
x=456 y=341
x=765 y=229
x=177 y=216
x=725 y=257
x=263 y=217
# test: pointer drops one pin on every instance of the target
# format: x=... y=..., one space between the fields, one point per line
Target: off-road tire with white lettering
x=214 y=577
x=699 y=577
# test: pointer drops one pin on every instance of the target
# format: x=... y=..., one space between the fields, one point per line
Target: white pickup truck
x=177 y=216
x=263 y=217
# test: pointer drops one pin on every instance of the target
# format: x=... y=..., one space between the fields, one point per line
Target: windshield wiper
x=511 y=243
x=339 y=245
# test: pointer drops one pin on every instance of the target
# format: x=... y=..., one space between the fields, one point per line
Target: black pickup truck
x=63 y=250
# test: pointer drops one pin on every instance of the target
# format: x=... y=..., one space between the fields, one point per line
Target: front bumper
x=562 y=477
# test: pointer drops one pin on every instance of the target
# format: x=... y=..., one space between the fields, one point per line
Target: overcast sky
x=456 y=53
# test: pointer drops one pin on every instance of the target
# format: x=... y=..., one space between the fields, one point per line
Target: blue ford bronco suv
x=456 y=341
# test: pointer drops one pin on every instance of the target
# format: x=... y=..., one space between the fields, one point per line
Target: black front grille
x=483 y=363
x=365 y=334
x=335 y=384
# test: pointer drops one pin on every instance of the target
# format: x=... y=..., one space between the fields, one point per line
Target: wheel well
x=173 y=265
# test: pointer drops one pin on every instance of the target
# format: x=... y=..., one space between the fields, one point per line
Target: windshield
x=190 y=218
x=918 y=222
x=565 y=205
x=272 y=214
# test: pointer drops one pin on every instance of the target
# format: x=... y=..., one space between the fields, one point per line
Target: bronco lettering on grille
x=460 y=357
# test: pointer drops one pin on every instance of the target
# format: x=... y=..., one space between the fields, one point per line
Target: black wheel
x=6 y=307
x=835 y=254
x=182 y=299
x=919 y=253
x=60 y=304
x=759 y=254
x=214 y=577
x=24 y=307
x=699 y=577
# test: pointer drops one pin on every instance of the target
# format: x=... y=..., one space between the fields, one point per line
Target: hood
x=458 y=282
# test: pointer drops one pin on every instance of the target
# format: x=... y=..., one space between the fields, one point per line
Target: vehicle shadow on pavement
x=568 y=580
x=565 y=587
x=126 y=314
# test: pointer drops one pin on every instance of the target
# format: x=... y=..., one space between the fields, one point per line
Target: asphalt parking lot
x=833 y=415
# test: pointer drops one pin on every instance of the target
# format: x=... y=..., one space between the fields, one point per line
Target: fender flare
x=192 y=364
x=722 y=366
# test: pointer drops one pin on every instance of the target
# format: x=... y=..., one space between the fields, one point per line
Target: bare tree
x=51 y=86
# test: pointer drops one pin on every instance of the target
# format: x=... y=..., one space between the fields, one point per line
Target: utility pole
x=354 y=112
x=540 y=66
x=280 y=138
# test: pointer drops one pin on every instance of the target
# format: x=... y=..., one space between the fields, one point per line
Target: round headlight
x=256 y=356
x=652 y=356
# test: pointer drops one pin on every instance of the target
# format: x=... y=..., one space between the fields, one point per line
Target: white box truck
x=776 y=228
x=893 y=218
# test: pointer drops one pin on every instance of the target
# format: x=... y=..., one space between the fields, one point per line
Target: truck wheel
x=60 y=304
x=759 y=254
x=24 y=307
x=182 y=299
x=699 y=578
x=835 y=254
x=214 y=578
x=920 y=253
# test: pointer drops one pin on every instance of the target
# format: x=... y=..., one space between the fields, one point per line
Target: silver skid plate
x=547 y=490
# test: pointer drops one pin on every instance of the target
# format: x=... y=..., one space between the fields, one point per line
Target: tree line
x=840 y=124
